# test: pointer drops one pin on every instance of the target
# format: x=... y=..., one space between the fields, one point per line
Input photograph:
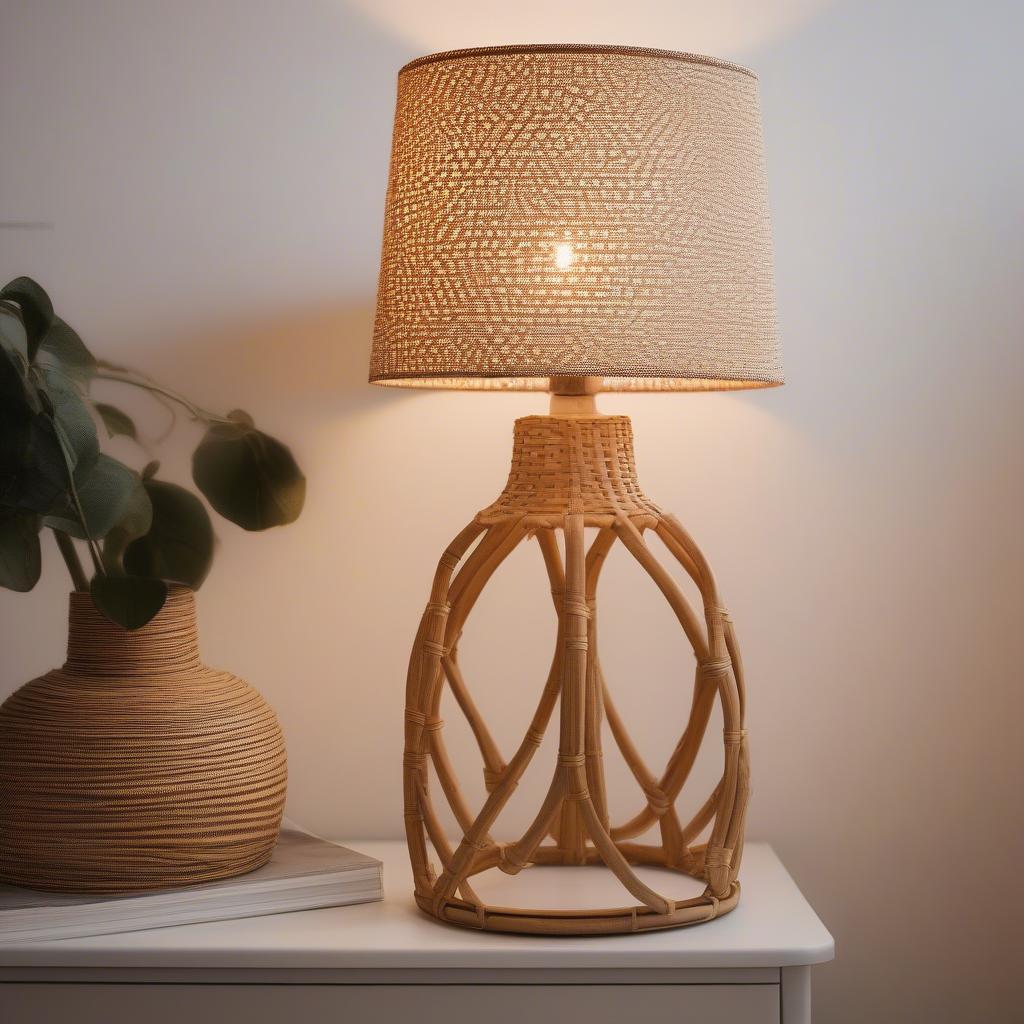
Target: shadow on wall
x=314 y=359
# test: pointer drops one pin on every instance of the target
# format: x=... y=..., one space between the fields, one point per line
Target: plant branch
x=94 y=550
x=121 y=375
x=70 y=555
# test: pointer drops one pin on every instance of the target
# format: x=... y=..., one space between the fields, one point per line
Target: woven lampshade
x=576 y=211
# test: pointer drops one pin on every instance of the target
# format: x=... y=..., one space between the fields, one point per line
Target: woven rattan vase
x=135 y=766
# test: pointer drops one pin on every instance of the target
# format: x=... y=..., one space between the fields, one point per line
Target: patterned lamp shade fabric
x=576 y=211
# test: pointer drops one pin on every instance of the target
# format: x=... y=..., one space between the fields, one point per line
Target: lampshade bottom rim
x=539 y=382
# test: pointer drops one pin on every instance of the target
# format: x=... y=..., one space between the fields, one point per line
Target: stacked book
x=304 y=873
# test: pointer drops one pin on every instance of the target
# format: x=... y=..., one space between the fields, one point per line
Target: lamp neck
x=572 y=464
x=574 y=396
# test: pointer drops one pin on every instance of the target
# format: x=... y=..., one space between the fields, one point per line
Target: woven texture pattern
x=572 y=465
x=576 y=211
x=135 y=766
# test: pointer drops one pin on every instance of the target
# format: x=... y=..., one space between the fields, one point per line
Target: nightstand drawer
x=426 y=1004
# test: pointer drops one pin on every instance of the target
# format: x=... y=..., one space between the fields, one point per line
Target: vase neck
x=566 y=464
x=169 y=643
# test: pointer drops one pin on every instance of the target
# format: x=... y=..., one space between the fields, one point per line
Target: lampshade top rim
x=595 y=48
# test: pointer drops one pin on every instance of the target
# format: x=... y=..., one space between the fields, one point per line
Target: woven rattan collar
x=572 y=464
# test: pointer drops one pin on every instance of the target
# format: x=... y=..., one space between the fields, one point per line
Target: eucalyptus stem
x=120 y=375
x=97 y=561
x=70 y=555
x=94 y=548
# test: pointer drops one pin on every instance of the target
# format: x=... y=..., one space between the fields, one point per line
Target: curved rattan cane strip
x=660 y=807
x=494 y=764
x=414 y=773
x=664 y=809
x=517 y=855
x=634 y=543
x=556 y=578
x=595 y=711
x=679 y=543
x=592 y=721
x=433 y=647
x=418 y=812
x=727 y=831
x=135 y=766
x=575 y=615
x=479 y=569
x=436 y=636
x=474 y=844
x=670 y=824
x=492 y=551
x=733 y=647
x=612 y=857
x=681 y=762
x=718 y=863
x=439 y=840
x=499 y=794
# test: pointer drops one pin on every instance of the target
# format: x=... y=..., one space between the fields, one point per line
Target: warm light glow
x=727 y=28
x=564 y=256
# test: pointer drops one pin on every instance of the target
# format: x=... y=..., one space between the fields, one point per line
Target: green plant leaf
x=241 y=417
x=104 y=492
x=136 y=522
x=20 y=560
x=117 y=423
x=36 y=310
x=179 y=544
x=12 y=332
x=129 y=601
x=33 y=475
x=63 y=348
x=248 y=477
x=75 y=427
x=17 y=395
x=15 y=427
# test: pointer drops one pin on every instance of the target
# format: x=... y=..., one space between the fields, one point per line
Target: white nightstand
x=380 y=959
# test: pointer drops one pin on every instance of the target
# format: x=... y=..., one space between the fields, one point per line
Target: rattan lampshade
x=576 y=210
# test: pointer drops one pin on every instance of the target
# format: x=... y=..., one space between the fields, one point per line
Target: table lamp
x=575 y=219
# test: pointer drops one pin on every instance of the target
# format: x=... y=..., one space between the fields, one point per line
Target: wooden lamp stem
x=574 y=396
x=571 y=471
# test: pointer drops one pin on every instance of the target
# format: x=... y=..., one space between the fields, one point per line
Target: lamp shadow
x=304 y=363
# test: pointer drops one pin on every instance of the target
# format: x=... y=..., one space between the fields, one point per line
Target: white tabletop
x=773 y=926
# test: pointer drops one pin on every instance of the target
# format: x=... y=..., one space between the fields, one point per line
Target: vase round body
x=135 y=766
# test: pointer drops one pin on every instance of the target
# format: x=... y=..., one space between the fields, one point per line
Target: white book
x=304 y=873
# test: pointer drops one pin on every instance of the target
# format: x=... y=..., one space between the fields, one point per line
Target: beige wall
x=213 y=177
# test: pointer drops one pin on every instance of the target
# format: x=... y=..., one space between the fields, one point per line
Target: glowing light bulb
x=564 y=256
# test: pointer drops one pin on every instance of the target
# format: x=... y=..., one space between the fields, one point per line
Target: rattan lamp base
x=570 y=473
